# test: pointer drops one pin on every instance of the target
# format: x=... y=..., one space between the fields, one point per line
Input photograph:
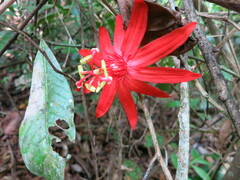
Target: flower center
x=96 y=78
x=116 y=66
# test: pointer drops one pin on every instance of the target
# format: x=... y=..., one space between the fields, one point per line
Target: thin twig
x=11 y=41
x=69 y=36
x=221 y=67
x=227 y=37
x=224 y=18
x=120 y=146
x=92 y=142
x=205 y=94
x=155 y=142
x=108 y=7
x=90 y=4
x=213 y=29
x=38 y=48
x=150 y=166
x=11 y=64
x=229 y=71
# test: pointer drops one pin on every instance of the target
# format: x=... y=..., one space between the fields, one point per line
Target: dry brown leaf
x=161 y=20
x=11 y=122
x=224 y=132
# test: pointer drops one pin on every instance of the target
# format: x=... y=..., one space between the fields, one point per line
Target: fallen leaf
x=11 y=122
x=224 y=132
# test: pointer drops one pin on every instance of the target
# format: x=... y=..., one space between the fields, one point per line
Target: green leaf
x=195 y=154
x=201 y=173
x=134 y=172
x=148 y=140
x=200 y=160
x=5 y=36
x=50 y=100
x=174 y=160
x=173 y=104
x=163 y=87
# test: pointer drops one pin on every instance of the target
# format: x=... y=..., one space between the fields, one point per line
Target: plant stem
x=183 y=147
x=154 y=139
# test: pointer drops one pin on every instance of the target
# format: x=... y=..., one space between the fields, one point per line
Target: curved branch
x=211 y=62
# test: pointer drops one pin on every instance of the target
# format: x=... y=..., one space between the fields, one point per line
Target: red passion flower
x=122 y=67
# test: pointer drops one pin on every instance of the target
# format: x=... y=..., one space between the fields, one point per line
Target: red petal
x=119 y=34
x=96 y=58
x=144 y=88
x=128 y=104
x=85 y=90
x=106 y=99
x=135 y=30
x=105 y=41
x=163 y=75
x=84 y=52
x=161 y=47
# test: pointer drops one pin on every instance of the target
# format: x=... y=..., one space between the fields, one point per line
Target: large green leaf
x=50 y=100
x=201 y=172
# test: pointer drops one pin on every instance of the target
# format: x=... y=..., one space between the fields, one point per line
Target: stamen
x=103 y=66
x=80 y=82
x=86 y=72
x=89 y=87
x=86 y=59
x=101 y=74
x=80 y=69
x=100 y=86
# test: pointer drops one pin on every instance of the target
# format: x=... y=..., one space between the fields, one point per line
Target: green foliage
x=201 y=173
x=133 y=172
x=148 y=140
x=5 y=36
x=174 y=160
x=199 y=165
x=173 y=104
x=50 y=100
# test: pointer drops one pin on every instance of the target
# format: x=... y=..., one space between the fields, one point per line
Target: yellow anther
x=80 y=69
x=90 y=88
x=86 y=59
x=103 y=66
x=100 y=86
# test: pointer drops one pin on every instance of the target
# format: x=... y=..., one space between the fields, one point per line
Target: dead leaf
x=161 y=20
x=224 y=132
x=11 y=122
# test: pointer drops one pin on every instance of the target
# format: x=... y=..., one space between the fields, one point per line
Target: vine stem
x=5 y=5
x=154 y=139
